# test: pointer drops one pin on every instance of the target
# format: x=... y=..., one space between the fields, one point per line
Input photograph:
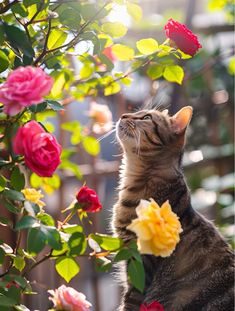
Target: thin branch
x=8 y=6
x=35 y=15
x=44 y=51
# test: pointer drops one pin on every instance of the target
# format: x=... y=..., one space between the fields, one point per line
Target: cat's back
x=201 y=274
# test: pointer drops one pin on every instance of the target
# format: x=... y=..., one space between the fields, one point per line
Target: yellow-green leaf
x=86 y=71
x=135 y=11
x=113 y=88
x=147 y=46
x=123 y=52
x=174 y=73
x=155 y=71
x=231 y=66
x=67 y=267
x=58 y=85
x=91 y=145
x=115 y=29
x=56 y=39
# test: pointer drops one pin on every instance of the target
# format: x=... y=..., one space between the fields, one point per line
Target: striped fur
x=199 y=275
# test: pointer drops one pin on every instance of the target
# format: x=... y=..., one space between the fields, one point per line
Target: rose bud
x=182 y=38
x=153 y=306
x=39 y=148
x=24 y=87
x=88 y=200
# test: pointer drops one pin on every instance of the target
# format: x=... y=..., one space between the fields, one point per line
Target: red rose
x=88 y=200
x=24 y=87
x=40 y=149
x=181 y=37
x=153 y=306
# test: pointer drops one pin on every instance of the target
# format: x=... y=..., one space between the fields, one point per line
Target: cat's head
x=152 y=132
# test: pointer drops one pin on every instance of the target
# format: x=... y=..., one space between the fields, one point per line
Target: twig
x=8 y=6
x=44 y=51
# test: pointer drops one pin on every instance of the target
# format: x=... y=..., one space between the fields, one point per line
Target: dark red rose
x=88 y=200
x=182 y=38
x=153 y=306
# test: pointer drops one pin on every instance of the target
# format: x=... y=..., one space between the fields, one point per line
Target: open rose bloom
x=68 y=299
x=157 y=228
x=182 y=38
x=24 y=87
x=39 y=148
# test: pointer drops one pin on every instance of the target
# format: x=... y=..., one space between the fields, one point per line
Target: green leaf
x=4 y=61
x=56 y=38
x=2 y=35
x=107 y=242
x=3 y=182
x=77 y=244
x=72 y=228
x=2 y=256
x=112 y=88
x=36 y=240
x=46 y=219
x=6 y=301
x=11 y=208
x=67 y=268
x=123 y=254
x=35 y=180
x=21 y=308
x=19 y=9
x=155 y=71
x=54 y=105
x=136 y=274
x=38 y=108
x=70 y=17
x=174 y=73
x=72 y=167
x=19 y=263
x=147 y=46
x=231 y=66
x=115 y=29
x=26 y=222
x=17 y=179
x=135 y=11
x=86 y=71
x=52 y=236
x=123 y=52
x=103 y=264
x=13 y=195
x=18 y=39
x=91 y=145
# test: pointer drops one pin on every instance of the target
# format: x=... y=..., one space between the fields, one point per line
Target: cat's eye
x=147 y=117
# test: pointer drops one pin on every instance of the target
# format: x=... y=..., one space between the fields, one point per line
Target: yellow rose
x=157 y=228
x=33 y=196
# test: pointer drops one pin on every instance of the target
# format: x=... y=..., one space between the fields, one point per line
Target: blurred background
x=209 y=157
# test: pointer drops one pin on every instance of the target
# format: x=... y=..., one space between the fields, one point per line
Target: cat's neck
x=161 y=181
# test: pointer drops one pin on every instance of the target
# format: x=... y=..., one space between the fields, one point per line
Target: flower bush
x=38 y=41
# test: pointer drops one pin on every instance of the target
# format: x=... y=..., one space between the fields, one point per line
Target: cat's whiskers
x=106 y=134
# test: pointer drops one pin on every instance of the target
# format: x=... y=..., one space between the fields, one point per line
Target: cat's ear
x=165 y=112
x=181 y=119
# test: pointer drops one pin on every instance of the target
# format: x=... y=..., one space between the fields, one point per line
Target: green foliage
x=67 y=267
x=107 y=242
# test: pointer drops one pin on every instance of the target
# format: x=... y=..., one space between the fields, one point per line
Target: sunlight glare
x=119 y=14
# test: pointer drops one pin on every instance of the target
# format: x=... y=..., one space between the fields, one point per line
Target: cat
x=199 y=275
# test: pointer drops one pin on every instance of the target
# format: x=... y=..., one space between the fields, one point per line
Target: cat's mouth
x=125 y=129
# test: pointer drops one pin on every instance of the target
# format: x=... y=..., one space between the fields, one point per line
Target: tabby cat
x=199 y=275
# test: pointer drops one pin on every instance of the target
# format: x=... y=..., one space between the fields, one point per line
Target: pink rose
x=40 y=149
x=153 y=306
x=88 y=199
x=24 y=87
x=182 y=38
x=102 y=118
x=108 y=52
x=68 y=299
